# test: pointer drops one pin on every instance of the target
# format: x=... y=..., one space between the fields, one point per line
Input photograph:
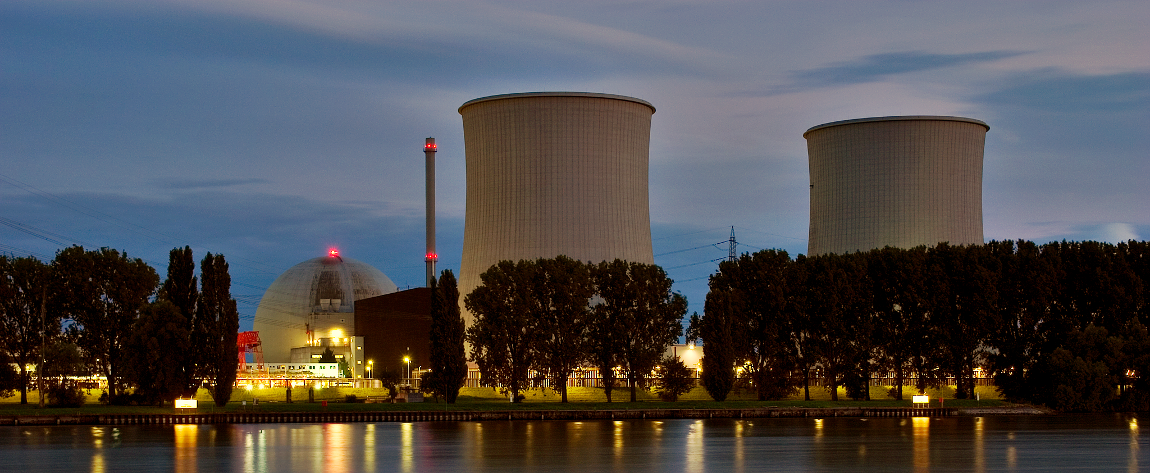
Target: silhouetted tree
x=673 y=378
x=218 y=318
x=646 y=315
x=502 y=334
x=102 y=291
x=157 y=352
x=180 y=289
x=562 y=323
x=25 y=325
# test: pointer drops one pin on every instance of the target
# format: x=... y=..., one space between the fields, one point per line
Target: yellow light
x=407 y=359
x=336 y=333
x=186 y=403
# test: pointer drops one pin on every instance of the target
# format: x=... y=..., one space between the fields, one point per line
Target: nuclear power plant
x=555 y=173
x=565 y=173
x=311 y=307
x=895 y=181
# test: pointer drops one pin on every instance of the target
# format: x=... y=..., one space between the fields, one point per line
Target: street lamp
x=407 y=359
x=369 y=367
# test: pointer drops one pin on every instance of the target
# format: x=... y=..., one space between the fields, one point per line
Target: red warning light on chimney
x=430 y=147
x=432 y=257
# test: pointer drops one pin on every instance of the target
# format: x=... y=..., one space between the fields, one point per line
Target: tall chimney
x=431 y=257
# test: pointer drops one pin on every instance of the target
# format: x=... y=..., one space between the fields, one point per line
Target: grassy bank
x=487 y=399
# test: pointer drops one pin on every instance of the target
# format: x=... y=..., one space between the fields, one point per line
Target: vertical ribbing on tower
x=431 y=257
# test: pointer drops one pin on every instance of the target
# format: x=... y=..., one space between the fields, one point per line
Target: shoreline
x=254 y=417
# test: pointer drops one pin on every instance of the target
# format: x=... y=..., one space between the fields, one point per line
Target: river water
x=1104 y=443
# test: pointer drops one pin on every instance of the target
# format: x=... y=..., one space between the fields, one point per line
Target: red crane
x=249 y=342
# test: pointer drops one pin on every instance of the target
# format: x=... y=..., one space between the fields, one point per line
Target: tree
x=63 y=364
x=448 y=361
x=218 y=319
x=674 y=378
x=962 y=307
x=157 y=352
x=9 y=378
x=561 y=324
x=102 y=291
x=502 y=334
x=646 y=315
x=327 y=356
x=715 y=328
x=760 y=314
x=180 y=289
x=23 y=319
x=836 y=304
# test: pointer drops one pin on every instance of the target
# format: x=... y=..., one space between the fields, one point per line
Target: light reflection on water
x=1103 y=442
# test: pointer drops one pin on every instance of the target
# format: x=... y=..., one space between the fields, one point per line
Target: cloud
x=880 y=66
x=194 y=184
x=1119 y=232
x=1060 y=91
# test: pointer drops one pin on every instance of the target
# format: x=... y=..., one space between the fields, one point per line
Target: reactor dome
x=318 y=294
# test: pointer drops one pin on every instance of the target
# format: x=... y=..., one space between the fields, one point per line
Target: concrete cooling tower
x=555 y=173
x=895 y=181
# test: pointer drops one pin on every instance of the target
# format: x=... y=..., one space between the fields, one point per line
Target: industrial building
x=895 y=181
x=311 y=307
x=555 y=173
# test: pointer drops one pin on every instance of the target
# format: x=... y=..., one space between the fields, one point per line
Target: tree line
x=1058 y=324
x=542 y=319
x=100 y=311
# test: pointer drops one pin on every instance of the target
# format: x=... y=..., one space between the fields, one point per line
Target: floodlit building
x=311 y=307
x=895 y=181
x=555 y=173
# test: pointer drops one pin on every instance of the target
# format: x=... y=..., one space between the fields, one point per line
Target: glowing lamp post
x=407 y=359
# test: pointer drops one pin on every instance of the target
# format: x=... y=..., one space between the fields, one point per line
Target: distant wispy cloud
x=191 y=184
x=1056 y=90
x=878 y=66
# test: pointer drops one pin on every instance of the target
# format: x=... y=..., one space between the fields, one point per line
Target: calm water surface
x=1047 y=443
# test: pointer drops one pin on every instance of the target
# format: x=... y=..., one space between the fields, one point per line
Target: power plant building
x=311 y=307
x=895 y=181
x=555 y=173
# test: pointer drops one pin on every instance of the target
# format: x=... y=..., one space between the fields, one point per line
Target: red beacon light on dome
x=333 y=253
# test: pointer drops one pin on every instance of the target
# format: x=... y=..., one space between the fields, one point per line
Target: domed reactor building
x=895 y=181
x=311 y=307
x=555 y=173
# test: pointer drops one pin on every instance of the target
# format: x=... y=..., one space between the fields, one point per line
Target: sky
x=271 y=131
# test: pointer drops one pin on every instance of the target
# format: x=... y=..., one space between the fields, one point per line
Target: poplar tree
x=180 y=289
x=218 y=318
x=448 y=361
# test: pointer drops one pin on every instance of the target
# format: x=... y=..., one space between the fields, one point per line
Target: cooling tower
x=555 y=173
x=895 y=181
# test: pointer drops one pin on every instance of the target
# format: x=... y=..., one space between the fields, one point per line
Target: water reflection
x=921 y=426
x=1132 y=464
x=695 y=447
x=979 y=446
x=185 y=437
x=1105 y=443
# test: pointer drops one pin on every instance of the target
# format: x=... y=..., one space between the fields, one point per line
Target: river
x=1078 y=443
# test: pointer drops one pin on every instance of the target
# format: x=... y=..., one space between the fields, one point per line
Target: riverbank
x=255 y=416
